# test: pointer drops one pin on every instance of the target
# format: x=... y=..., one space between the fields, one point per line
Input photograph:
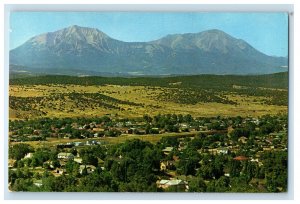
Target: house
x=59 y=171
x=240 y=158
x=128 y=123
x=179 y=184
x=130 y=131
x=97 y=129
x=164 y=165
x=78 y=160
x=91 y=142
x=28 y=155
x=222 y=150
x=167 y=150
x=49 y=164
x=38 y=183
x=257 y=161
x=243 y=139
x=65 y=155
x=100 y=162
x=255 y=121
x=270 y=148
x=184 y=125
x=89 y=168
x=11 y=163
x=76 y=144
x=141 y=131
x=62 y=163
x=36 y=132
x=213 y=151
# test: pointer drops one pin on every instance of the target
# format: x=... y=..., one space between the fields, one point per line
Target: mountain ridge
x=83 y=48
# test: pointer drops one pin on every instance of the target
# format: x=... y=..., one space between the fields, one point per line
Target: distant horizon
x=266 y=32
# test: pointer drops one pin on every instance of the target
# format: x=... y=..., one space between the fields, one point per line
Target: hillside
x=278 y=80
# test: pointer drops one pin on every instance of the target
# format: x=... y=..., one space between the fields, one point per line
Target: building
x=78 y=160
x=240 y=158
x=28 y=155
x=222 y=150
x=167 y=150
x=59 y=171
x=11 y=163
x=89 y=168
x=91 y=142
x=65 y=155
x=165 y=165
x=76 y=144
x=177 y=183
x=243 y=139
x=38 y=183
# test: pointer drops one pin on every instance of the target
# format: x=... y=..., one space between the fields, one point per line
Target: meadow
x=200 y=96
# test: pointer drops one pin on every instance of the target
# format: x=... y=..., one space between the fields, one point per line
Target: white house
x=167 y=150
x=38 y=183
x=89 y=168
x=28 y=155
x=222 y=150
x=180 y=184
x=65 y=155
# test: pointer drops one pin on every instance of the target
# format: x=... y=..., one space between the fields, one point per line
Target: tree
x=235 y=168
x=18 y=151
x=147 y=118
x=34 y=162
x=72 y=168
x=218 y=167
x=89 y=159
x=55 y=163
x=20 y=164
x=84 y=171
x=205 y=171
x=21 y=184
x=197 y=185
x=169 y=141
x=12 y=176
x=222 y=184
x=27 y=161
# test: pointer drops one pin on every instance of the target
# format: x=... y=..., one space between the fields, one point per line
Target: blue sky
x=267 y=32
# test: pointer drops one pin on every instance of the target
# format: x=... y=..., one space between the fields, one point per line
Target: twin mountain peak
x=85 y=50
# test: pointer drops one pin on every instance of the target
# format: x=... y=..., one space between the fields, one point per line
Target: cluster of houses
x=77 y=144
x=270 y=142
x=102 y=129
x=63 y=157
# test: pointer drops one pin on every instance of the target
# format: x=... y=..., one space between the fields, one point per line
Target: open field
x=32 y=101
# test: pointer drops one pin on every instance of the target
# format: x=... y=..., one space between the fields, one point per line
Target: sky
x=267 y=32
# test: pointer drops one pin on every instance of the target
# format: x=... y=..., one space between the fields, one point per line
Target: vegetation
x=251 y=157
x=65 y=96
x=201 y=133
x=220 y=82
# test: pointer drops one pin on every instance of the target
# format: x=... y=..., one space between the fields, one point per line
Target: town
x=161 y=153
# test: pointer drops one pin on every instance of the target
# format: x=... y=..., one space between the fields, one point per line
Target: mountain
x=80 y=50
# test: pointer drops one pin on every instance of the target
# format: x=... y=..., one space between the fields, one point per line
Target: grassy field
x=32 y=101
